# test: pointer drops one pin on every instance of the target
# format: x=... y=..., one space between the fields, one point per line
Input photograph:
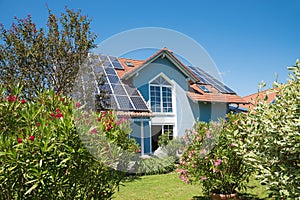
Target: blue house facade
x=164 y=96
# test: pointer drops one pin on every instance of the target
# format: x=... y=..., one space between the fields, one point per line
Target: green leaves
x=271 y=141
x=42 y=59
x=54 y=163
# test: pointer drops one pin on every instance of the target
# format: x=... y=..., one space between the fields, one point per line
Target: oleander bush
x=210 y=158
x=43 y=154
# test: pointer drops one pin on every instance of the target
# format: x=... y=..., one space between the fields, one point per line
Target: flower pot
x=215 y=196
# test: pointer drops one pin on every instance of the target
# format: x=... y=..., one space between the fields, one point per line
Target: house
x=161 y=95
x=258 y=97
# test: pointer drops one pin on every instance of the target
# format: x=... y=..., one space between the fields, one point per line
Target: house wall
x=185 y=110
x=212 y=111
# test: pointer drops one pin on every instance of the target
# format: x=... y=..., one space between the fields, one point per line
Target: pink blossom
x=194 y=132
x=208 y=135
x=217 y=162
x=94 y=131
x=23 y=101
x=77 y=104
x=203 y=178
x=198 y=138
x=203 y=152
x=185 y=136
x=214 y=170
x=19 y=140
x=232 y=145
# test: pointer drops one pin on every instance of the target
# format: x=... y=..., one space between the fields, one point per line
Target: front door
x=158 y=130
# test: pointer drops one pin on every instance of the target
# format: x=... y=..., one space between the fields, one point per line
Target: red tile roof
x=196 y=94
x=127 y=69
x=214 y=96
x=252 y=98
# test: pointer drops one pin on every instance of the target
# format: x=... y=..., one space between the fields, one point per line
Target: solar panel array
x=121 y=96
x=206 y=78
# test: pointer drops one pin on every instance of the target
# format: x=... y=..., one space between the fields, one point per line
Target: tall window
x=161 y=95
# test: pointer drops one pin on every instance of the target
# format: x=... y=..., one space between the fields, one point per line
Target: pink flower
x=232 y=145
x=217 y=162
x=203 y=178
x=198 y=138
x=23 y=101
x=62 y=99
x=31 y=137
x=94 y=131
x=19 y=140
x=208 y=135
x=214 y=170
x=203 y=152
x=194 y=132
x=77 y=104
x=185 y=136
x=38 y=124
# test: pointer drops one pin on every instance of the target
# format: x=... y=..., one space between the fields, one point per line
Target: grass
x=168 y=186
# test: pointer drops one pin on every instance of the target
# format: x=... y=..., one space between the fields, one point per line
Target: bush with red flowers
x=42 y=155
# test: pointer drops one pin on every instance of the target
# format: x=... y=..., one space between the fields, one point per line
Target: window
x=168 y=129
x=161 y=95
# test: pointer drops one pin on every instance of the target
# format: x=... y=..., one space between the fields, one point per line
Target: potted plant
x=211 y=158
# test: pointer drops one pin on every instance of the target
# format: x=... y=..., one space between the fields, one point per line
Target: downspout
x=142 y=138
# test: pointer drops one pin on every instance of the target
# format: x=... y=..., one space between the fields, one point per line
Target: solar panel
x=121 y=96
x=115 y=62
x=112 y=102
x=118 y=89
x=124 y=102
x=139 y=103
x=206 y=78
x=113 y=79
x=109 y=70
x=131 y=91
x=106 y=88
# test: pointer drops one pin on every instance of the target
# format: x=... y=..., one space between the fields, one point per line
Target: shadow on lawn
x=242 y=196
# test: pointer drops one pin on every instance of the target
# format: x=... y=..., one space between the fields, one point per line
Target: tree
x=42 y=59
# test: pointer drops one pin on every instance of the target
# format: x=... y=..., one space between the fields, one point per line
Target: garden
x=55 y=147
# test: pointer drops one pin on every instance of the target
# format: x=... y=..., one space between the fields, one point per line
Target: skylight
x=204 y=89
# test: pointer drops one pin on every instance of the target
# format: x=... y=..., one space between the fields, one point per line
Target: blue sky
x=249 y=41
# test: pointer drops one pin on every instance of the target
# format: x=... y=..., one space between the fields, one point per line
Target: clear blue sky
x=249 y=41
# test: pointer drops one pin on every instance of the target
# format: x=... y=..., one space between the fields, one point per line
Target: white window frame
x=171 y=86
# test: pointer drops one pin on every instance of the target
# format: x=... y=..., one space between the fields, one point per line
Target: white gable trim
x=163 y=54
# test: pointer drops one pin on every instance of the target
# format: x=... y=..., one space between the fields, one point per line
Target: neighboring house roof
x=252 y=98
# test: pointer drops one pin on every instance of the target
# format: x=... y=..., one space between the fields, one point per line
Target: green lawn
x=169 y=186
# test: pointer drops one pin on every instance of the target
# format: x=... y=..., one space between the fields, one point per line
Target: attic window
x=204 y=89
x=129 y=64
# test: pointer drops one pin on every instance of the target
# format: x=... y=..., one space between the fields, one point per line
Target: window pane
x=167 y=99
x=155 y=98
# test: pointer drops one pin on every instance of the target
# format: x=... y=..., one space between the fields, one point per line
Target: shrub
x=270 y=138
x=210 y=159
x=42 y=156
x=154 y=165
